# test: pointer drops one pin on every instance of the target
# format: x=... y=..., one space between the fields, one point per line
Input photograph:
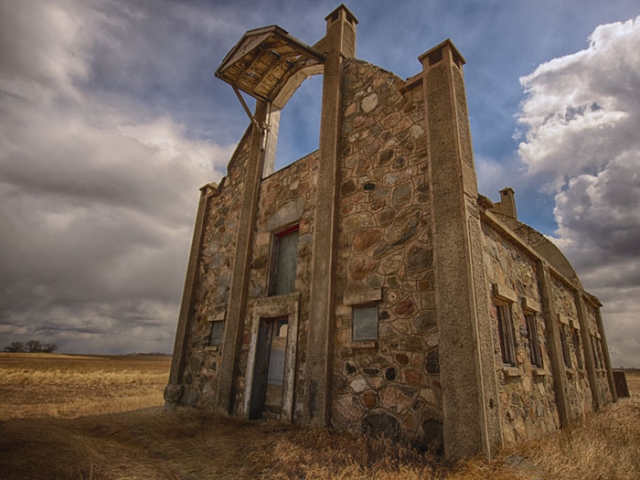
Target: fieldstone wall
x=391 y=386
x=286 y=196
x=602 y=383
x=527 y=395
x=579 y=392
x=215 y=262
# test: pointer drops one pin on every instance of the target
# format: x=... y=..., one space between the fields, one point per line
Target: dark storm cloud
x=111 y=118
x=97 y=190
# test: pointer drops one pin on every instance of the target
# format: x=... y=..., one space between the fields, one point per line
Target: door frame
x=274 y=307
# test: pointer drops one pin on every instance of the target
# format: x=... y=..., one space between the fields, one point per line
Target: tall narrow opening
x=299 y=124
x=269 y=372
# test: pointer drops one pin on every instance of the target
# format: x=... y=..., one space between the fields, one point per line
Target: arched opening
x=299 y=130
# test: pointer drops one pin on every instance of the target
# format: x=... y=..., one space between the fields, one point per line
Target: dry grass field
x=69 y=417
x=67 y=386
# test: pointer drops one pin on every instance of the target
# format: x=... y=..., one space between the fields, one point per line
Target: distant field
x=47 y=384
x=147 y=443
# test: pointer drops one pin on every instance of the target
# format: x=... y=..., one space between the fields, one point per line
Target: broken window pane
x=365 y=323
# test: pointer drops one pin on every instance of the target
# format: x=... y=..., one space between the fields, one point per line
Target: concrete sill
x=369 y=344
x=511 y=371
x=210 y=348
x=538 y=372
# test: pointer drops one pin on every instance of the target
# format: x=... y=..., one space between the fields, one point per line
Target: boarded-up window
x=365 y=323
x=505 y=330
x=597 y=353
x=217 y=329
x=284 y=262
x=577 y=347
x=534 y=345
x=565 y=346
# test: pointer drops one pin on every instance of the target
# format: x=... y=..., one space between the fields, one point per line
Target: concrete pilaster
x=585 y=337
x=467 y=364
x=554 y=347
x=186 y=307
x=338 y=42
x=242 y=261
x=605 y=354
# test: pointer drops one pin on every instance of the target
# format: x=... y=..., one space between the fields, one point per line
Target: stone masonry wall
x=384 y=242
x=527 y=395
x=214 y=280
x=293 y=187
x=579 y=392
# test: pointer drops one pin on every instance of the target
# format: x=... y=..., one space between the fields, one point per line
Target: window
x=535 y=355
x=505 y=329
x=284 y=262
x=565 y=346
x=597 y=353
x=365 y=323
x=577 y=347
x=217 y=329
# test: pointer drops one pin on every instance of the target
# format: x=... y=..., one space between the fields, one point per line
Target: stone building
x=368 y=285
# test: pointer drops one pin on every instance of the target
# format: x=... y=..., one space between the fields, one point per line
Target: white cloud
x=582 y=118
x=97 y=195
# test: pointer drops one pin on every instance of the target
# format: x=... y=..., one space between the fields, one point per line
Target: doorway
x=269 y=370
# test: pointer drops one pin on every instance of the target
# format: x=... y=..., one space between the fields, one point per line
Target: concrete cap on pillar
x=437 y=53
x=343 y=11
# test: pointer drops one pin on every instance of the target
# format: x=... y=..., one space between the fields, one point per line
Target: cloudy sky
x=111 y=119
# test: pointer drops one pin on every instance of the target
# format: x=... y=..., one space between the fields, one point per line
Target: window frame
x=564 y=342
x=217 y=340
x=364 y=307
x=272 y=286
x=506 y=332
x=535 y=352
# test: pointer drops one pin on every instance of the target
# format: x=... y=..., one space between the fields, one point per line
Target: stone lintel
x=286 y=215
x=563 y=319
x=503 y=293
x=218 y=317
x=359 y=297
x=531 y=305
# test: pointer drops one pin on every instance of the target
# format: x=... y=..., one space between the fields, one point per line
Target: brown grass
x=46 y=384
x=188 y=444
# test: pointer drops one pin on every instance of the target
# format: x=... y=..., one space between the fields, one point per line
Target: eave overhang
x=264 y=61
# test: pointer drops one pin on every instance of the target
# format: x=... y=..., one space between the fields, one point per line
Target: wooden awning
x=265 y=60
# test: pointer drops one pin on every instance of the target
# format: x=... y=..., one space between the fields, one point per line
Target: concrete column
x=605 y=354
x=186 y=307
x=585 y=336
x=467 y=363
x=338 y=42
x=554 y=346
x=508 y=203
x=271 y=141
x=242 y=261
